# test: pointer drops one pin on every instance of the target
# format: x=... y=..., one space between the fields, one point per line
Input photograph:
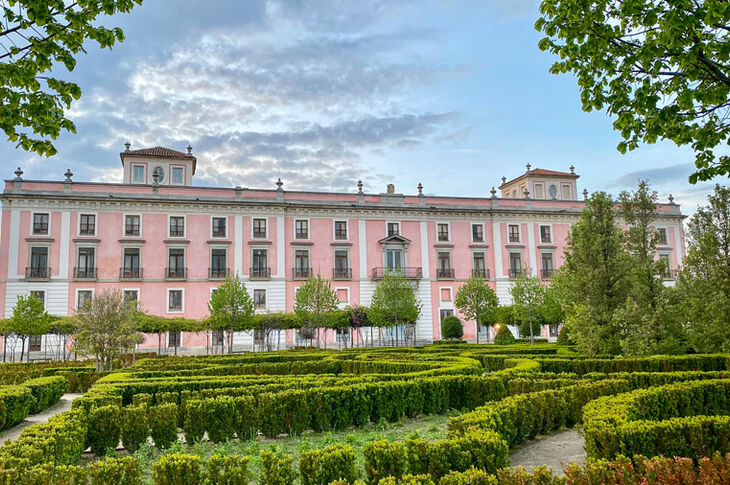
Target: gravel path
x=64 y=404
x=553 y=451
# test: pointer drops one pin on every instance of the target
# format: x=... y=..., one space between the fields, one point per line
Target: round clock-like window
x=553 y=191
x=159 y=173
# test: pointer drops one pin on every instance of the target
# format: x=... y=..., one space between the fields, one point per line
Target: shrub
x=320 y=467
x=104 y=429
x=451 y=328
x=114 y=471
x=163 y=425
x=504 y=336
x=135 y=428
x=407 y=480
x=565 y=336
x=178 y=469
x=15 y=404
x=194 y=423
x=219 y=417
x=227 y=470
x=383 y=459
x=46 y=391
x=245 y=423
x=471 y=476
x=277 y=468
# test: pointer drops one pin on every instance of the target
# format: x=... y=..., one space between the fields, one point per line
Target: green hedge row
x=15 y=405
x=184 y=469
x=687 y=419
x=659 y=363
x=46 y=391
x=112 y=471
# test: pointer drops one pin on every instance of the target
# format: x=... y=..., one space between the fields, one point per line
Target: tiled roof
x=541 y=172
x=159 y=152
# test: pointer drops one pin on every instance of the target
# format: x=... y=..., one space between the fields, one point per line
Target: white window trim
x=76 y=300
x=167 y=339
x=400 y=227
x=519 y=233
x=50 y=219
x=172 y=167
x=347 y=230
x=471 y=232
x=139 y=297
x=210 y=254
x=450 y=302
x=45 y=294
x=570 y=191
x=131 y=174
x=266 y=234
x=266 y=299
x=124 y=224
x=214 y=216
x=78 y=223
x=448 y=229
x=666 y=233
x=404 y=253
x=309 y=228
x=39 y=245
x=345 y=303
x=544 y=193
x=185 y=226
x=167 y=301
x=340 y=248
x=167 y=254
x=539 y=233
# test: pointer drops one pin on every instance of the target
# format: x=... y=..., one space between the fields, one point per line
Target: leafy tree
x=105 y=328
x=476 y=300
x=593 y=282
x=231 y=308
x=358 y=318
x=504 y=336
x=528 y=296
x=551 y=311
x=314 y=301
x=35 y=37
x=394 y=303
x=29 y=318
x=451 y=328
x=704 y=280
x=267 y=323
x=660 y=67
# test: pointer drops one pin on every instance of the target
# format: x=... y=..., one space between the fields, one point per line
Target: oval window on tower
x=553 y=191
x=159 y=173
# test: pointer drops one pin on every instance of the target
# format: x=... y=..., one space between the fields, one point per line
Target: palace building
x=167 y=243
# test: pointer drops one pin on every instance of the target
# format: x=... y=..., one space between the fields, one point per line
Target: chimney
x=390 y=189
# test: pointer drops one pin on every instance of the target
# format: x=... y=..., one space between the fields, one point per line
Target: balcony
x=302 y=273
x=546 y=274
x=412 y=272
x=515 y=273
x=259 y=273
x=85 y=273
x=444 y=273
x=130 y=273
x=37 y=273
x=480 y=273
x=669 y=274
x=342 y=274
x=218 y=273
x=176 y=273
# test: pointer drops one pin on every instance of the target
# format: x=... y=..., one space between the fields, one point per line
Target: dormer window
x=159 y=174
x=177 y=175
x=138 y=175
x=553 y=191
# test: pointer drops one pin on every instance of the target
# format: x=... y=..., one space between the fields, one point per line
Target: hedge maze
x=664 y=406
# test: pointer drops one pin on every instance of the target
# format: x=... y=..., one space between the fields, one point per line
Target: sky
x=320 y=93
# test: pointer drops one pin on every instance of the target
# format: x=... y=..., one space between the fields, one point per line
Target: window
x=343 y=295
x=341 y=230
x=34 y=343
x=259 y=268
x=177 y=175
x=444 y=265
x=443 y=313
x=38 y=263
x=547 y=266
x=513 y=233
x=159 y=174
x=566 y=192
x=40 y=294
x=443 y=232
x=553 y=330
x=477 y=233
x=175 y=300
x=82 y=298
x=545 y=234
x=132 y=225
x=87 y=224
x=301 y=263
x=130 y=264
x=219 y=227
x=394 y=260
x=85 y=263
x=131 y=296
x=342 y=266
x=539 y=191
x=174 y=338
x=479 y=268
x=515 y=265
x=553 y=191
x=393 y=229
x=176 y=263
x=40 y=223
x=667 y=272
x=216 y=338
x=445 y=294
x=661 y=236
x=218 y=263
x=138 y=175
x=259 y=228
x=177 y=226
x=259 y=298
x=301 y=229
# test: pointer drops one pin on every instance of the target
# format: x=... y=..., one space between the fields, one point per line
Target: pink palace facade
x=167 y=243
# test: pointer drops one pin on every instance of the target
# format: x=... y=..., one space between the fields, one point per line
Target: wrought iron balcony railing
x=176 y=273
x=37 y=273
x=130 y=273
x=444 y=273
x=85 y=273
x=218 y=273
x=342 y=274
x=259 y=273
x=410 y=272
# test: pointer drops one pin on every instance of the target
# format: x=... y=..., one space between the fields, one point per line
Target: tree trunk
x=22 y=348
x=529 y=320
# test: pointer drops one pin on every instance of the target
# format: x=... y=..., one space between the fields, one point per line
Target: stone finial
x=572 y=169
x=279 y=184
x=126 y=146
x=585 y=193
x=390 y=188
x=671 y=199
x=18 y=175
x=420 y=188
x=493 y=192
x=527 y=194
x=190 y=150
x=68 y=175
x=359 y=186
x=504 y=179
x=155 y=178
x=528 y=167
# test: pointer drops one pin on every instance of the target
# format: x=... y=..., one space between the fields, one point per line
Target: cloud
x=658 y=176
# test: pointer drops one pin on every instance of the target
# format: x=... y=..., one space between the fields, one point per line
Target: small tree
x=315 y=299
x=231 y=308
x=504 y=336
x=29 y=318
x=528 y=295
x=476 y=300
x=105 y=328
x=394 y=303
